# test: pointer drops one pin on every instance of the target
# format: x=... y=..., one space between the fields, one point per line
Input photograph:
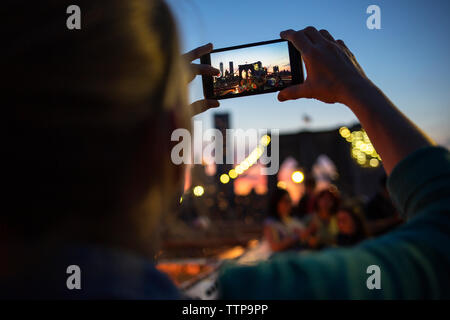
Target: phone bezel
x=295 y=59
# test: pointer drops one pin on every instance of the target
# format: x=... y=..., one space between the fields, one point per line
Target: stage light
x=297 y=176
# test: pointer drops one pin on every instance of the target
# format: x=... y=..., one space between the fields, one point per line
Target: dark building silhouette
x=225 y=191
x=305 y=147
x=231 y=68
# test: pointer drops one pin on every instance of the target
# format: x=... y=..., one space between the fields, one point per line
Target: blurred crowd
x=325 y=218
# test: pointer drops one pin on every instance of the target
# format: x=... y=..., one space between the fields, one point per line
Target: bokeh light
x=374 y=162
x=198 y=191
x=248 y=162
x=281 y=185
x=232 y=174
x=297 y=177
x=224 y=178
x=265 y=140
x=362 y=149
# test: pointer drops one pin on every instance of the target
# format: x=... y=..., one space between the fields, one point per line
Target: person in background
x=322 y=227
x=381 y=214
x=306 y=203
x=281 y=230
x=352 y=226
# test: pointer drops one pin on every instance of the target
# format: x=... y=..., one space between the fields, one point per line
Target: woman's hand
x=201 y=69
x=332 y=70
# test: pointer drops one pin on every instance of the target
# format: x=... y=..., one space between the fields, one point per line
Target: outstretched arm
x=334 y=75
x=413 y=261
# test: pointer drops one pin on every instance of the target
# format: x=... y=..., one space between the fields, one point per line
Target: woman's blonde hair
x=123 y=64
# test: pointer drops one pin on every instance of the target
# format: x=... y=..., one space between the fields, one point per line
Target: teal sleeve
x=414 y=260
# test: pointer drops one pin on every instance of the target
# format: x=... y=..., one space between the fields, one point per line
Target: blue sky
x=408 y=58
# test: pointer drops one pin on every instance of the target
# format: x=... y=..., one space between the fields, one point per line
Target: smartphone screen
x=252 y=69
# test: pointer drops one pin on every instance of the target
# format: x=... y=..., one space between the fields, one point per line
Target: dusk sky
x=408 y=58
x=275 y=54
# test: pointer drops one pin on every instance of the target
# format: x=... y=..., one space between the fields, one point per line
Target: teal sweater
x=414 y=260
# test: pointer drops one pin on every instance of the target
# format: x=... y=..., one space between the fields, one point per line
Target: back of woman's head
x=85 y=105
x=121 y=58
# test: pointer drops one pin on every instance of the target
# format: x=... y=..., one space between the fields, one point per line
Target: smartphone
x=251 y=69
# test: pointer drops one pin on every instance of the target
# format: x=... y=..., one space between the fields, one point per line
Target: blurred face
x=284 y=206
x=309 y=189
x=345 y=223
x=325 y=203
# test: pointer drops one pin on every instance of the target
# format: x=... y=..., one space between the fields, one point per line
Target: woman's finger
x=298 y=39
x=198 y=52
x=344 y=46
x=295 y=92
x=204 y=69
x=314 y=35
x=203 y=105
x=327 y=35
